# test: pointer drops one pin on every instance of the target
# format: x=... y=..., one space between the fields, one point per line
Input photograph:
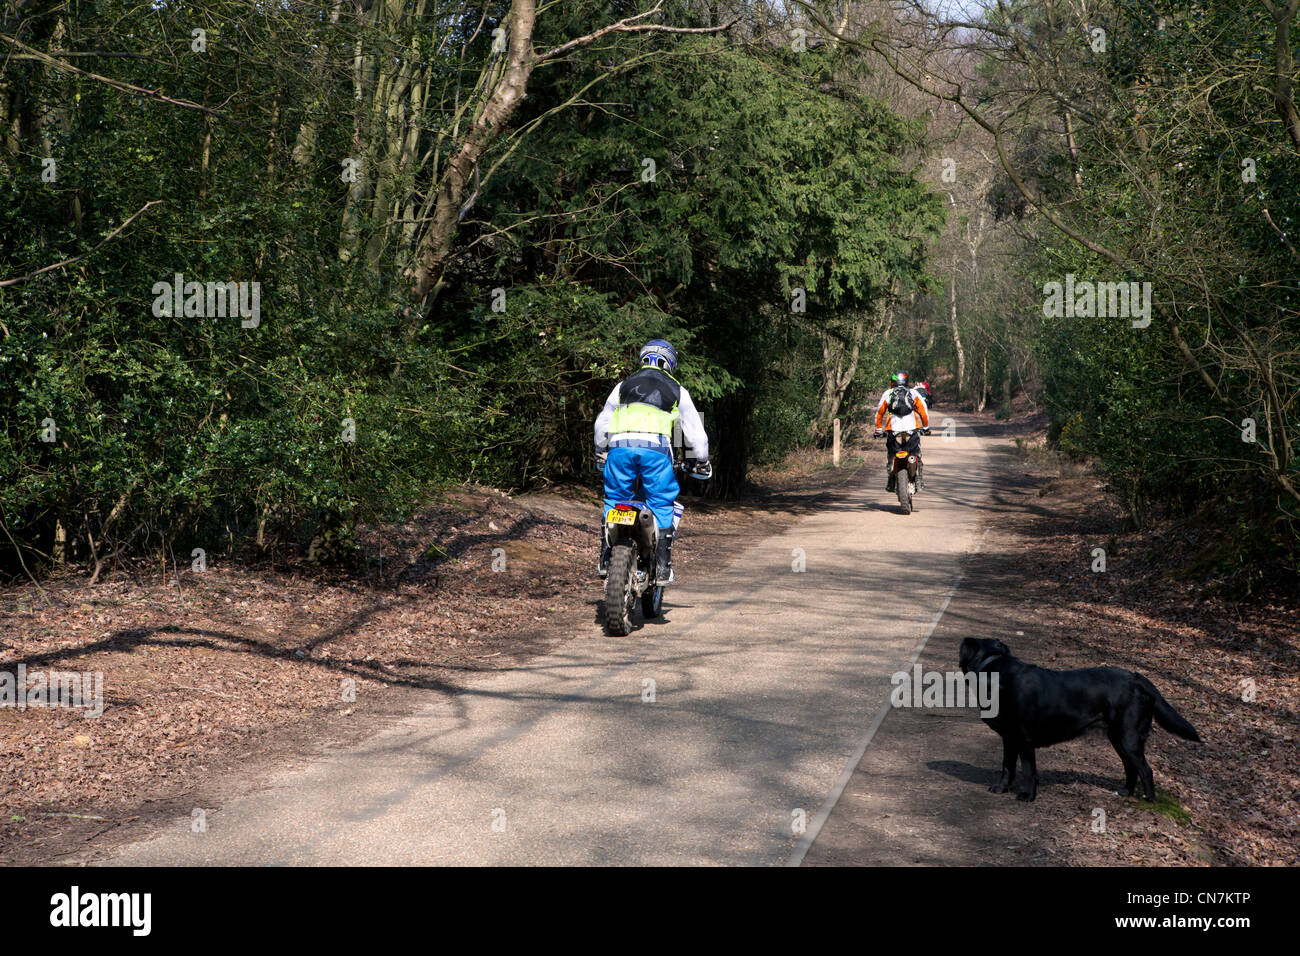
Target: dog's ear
x=969 y=648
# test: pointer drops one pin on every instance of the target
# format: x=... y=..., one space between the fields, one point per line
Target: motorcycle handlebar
x=689 y=466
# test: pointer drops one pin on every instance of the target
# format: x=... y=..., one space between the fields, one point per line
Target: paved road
x=765 y=681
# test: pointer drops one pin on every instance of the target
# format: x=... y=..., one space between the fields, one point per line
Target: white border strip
x=815 y=827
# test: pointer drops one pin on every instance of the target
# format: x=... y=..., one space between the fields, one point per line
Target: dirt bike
x=906 y=466
x=632 y=534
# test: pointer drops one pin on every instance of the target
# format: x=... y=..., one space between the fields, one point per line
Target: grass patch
x=1166 y=806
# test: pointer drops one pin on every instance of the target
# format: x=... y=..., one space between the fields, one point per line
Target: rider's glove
x=703 y=469
x=925 y=430
x=601 y=458
x=877 y=433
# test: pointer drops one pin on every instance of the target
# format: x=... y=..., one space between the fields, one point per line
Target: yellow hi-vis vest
x=643 y=418
x=648 y=403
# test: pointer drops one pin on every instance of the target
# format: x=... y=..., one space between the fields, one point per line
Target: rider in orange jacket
x=901 y=409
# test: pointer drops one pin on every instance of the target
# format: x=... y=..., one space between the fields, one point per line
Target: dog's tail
x=1166 y=716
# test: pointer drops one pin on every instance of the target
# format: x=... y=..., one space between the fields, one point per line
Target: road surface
x=720 y=735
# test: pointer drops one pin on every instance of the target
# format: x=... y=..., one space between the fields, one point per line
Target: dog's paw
x=1025 y=797
x=997 y=788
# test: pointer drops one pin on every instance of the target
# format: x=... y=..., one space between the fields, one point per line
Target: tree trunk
x=361 y=149
x=1006 y=384
x=732 y=443
x=1283 y=67
x=839 y=366
x=435 y=245
x=304 y=149
x=956 y=333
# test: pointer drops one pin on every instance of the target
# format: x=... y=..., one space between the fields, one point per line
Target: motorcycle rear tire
x=620 y=597
x=904 y=492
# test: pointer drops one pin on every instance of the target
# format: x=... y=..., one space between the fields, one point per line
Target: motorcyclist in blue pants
x=633 y=436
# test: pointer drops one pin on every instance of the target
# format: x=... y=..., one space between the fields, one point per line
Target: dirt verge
x=920 y=795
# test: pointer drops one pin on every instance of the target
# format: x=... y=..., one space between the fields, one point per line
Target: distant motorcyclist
x=633 y=435
x=901 y=409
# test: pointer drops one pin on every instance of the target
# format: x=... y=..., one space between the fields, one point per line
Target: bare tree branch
x=68 y=262
x=506 y=94
x=58 y=64
x=629 y=25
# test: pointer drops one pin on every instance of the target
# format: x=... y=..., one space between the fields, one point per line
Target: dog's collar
x=984 y=663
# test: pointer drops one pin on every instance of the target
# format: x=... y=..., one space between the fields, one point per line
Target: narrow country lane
x=765 y=682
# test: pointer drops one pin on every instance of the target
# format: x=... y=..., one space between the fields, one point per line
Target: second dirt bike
x=906 y=467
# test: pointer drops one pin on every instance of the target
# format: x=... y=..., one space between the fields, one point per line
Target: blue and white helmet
x=659 y=354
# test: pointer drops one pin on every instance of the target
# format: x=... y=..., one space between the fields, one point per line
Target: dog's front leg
x=1008 y=767
x=1031 y=772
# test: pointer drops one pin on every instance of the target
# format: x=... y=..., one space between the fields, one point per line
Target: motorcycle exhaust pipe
x=646 y=529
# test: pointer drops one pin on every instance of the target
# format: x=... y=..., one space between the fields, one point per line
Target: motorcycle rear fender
x=644 y=532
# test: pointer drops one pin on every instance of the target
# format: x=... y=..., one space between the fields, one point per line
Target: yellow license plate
x=900 y=454
x=621 y=517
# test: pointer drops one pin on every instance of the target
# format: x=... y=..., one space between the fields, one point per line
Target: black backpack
x=900 y=401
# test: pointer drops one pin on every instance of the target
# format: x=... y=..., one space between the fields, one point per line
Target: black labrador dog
x=1039 y=708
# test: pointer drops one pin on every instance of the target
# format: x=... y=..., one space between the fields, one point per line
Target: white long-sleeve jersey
x=905 y=423
x=694 y=438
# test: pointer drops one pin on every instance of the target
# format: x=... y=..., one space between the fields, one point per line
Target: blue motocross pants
x=658 y=483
